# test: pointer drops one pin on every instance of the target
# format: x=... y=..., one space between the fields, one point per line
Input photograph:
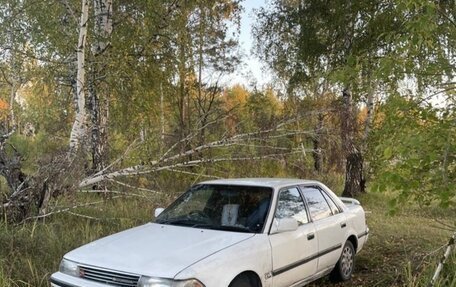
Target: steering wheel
x=200 y=215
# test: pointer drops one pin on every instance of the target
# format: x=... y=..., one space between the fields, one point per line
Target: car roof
x=268 y=182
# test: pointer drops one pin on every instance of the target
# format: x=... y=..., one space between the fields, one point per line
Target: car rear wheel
x=344 y=267
x=244 y=280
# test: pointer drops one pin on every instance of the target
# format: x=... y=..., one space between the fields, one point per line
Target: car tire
x=344 y=267
x=244 y=280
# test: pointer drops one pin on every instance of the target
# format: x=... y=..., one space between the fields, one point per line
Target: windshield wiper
x=223 y=227
x=198 y=224
x=234 y=228
x=179 y=221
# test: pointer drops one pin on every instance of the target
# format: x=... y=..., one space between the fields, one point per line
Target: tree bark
x=354 y=173
x=318 y=159
x=162 y=118
x=78 y=130
x=183 y=98
x=182 y=92
x=98 y=118
x=103 y=25
x=99 y=105
x=370 y=115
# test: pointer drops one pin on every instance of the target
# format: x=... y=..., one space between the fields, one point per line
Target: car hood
x=155 y=249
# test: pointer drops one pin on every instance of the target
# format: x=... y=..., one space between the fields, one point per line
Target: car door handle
x=310 y=236
x=343 y=225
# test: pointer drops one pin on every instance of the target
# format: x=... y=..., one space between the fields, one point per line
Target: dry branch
x=84 y=216
x=168 y=161
x=131 y=147
x=141 y=169
x=62 y=210
x=193 y=173
x=449 y=249
x=66 y=209
x=105 y=191
x=133 y=187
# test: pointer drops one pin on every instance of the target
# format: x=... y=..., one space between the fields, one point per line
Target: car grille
x=108 y=277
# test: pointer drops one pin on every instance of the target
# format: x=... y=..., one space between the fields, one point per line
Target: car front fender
x=220 y=268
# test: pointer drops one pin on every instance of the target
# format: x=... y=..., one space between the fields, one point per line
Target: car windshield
x=222 y=207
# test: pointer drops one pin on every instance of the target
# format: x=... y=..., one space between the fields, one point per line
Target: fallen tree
x=59 y=174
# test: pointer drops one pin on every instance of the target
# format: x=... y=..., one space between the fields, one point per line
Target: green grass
x=31 y=252
x=399 y=251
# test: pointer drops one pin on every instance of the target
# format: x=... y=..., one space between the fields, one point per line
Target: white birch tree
x=98 y=106
x=79 y=129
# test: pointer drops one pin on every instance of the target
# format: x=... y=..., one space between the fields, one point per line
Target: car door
x=292 y=251
x=330 y=224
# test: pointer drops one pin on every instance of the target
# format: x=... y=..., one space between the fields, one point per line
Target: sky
x=251 y=71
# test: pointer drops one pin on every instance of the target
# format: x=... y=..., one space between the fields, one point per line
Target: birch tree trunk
x=98 y=119
x=316 y=140
x=182 y=94
x=103 y=25
x=99 y=104
x=184 y=53
x=162 y=118
x=78 y=130
x=369 y=117
x=354 y=173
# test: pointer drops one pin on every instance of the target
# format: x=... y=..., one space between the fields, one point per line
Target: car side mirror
x=284 y=225
x=158 y=211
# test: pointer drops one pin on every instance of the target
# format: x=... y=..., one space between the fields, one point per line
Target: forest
x=111 y=108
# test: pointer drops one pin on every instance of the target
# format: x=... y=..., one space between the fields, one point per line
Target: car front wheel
x=344 y=267
x=244 y=280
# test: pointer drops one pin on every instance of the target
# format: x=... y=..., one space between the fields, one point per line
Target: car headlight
x=160 y=282
x=188 y=283
x=69 y=267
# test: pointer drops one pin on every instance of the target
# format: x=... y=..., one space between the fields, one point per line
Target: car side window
x=335 y=210
x=291 y=204
x=317 y=204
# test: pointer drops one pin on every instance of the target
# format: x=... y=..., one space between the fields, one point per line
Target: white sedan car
x=234 y=232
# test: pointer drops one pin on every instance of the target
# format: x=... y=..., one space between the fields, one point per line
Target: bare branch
x=127 y=151
x=214 y=160
x=189 y=137
x=140 y=169
x=168 y=162
x=64 y=210
x=114 y=192
x=192 y=173
x=133 y=187
x=85 y=216
x=443 y=259
x=69 y=10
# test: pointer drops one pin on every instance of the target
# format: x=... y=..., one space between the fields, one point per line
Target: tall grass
x=30 y=253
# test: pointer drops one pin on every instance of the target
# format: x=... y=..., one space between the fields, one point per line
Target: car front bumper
x=59 y=279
